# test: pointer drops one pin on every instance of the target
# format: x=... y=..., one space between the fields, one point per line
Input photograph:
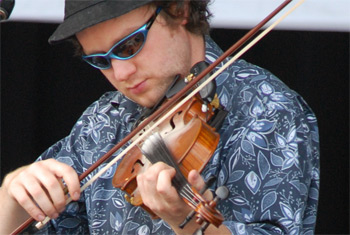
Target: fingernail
x=41 y=217
x=76 y=195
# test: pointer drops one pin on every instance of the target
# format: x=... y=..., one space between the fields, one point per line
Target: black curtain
x=44 y=89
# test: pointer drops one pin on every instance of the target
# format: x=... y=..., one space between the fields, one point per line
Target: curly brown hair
x=198 y=13
x=198 y=17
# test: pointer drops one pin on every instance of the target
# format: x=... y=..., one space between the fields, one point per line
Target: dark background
x=44 y=89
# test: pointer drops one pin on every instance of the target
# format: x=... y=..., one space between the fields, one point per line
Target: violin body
x=190 y=140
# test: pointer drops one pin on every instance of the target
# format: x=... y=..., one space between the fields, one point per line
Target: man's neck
x=197 y=48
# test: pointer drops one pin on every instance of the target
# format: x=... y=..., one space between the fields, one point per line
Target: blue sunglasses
x=125 y=49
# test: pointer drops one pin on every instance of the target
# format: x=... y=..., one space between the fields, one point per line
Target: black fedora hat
x=81 y=14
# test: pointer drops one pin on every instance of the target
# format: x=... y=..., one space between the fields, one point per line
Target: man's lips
x=138 y=88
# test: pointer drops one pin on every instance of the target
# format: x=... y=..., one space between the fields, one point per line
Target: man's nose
x=122 y=69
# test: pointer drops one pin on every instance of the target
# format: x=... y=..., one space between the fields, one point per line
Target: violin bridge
x=215 y=102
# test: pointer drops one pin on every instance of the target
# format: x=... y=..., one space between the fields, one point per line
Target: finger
x=159 y=166
x=51 y=185
x=164 y=184
x=21 y=196
x=39 y=195
x=147 y=184
x=147 y=180
x=150 y=176
x=49 y=174
x=54 y=188
x=195 y=179
x=70 y=177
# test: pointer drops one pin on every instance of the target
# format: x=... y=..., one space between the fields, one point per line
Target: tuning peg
x=221 y=193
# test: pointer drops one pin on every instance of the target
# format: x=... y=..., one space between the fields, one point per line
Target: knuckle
x=156 y=207
x=51 y=185
x=22 y=200
x=32 y=210
x=148 y=177
x=162 y=189
x=36 y=192
x=61 y=167
x=160 y=166
x=49 y=161
x=36 y=165
x=60 y=203
x=65 y=167
x=21 y=177
x=51 y=211
x=140 y=177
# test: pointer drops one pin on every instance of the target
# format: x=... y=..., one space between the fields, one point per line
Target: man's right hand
x=38 y=190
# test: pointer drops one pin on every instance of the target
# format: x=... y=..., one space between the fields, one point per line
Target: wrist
x=12 y=213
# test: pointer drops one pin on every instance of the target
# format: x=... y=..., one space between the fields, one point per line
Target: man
x=268 y=154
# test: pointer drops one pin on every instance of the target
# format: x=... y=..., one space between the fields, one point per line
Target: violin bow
x=173 y=100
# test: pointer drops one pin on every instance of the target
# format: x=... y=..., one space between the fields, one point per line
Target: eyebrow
x=129 y=29
x=115 y=41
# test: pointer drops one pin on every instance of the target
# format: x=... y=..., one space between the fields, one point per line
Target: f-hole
x=139 y=162
x=172 y=123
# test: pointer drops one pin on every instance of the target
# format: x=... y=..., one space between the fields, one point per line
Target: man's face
x=145 y=77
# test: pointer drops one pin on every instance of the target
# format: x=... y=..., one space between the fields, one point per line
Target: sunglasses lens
x=129 y=46
x=98 y=61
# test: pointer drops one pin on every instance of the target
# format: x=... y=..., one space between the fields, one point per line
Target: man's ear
x=186 y=12
x=181 y=14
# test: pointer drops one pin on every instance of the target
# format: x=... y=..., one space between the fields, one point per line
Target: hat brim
x=92 y=15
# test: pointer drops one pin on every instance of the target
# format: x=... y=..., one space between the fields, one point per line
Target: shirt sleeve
x=269 y=160
x=74 y=219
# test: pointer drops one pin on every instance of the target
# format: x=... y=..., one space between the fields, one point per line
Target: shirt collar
x=212 y=50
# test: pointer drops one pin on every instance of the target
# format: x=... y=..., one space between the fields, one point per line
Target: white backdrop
x=320 y=15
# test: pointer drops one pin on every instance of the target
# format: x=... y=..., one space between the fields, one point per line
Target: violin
x=179 y=112
x=185 y=142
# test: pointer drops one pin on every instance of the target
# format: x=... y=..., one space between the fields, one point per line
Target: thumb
x=196 y=180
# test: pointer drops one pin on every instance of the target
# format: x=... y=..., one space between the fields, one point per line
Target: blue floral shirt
x=268 y=157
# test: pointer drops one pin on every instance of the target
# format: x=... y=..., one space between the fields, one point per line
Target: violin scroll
x=221 y=193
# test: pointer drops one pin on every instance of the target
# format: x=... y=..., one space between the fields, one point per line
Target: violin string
x=190 y=196
x=177 y=106
x=155 y=150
